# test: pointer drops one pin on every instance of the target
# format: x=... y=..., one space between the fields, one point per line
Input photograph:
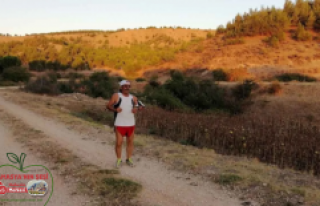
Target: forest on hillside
x=302 y=14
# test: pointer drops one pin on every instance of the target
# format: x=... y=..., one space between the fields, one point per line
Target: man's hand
x=135 y=110
x=118 y=110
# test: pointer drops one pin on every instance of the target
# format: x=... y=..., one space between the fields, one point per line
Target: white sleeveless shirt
x=125 y=118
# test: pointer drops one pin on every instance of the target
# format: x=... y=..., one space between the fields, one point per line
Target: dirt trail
x=160 y=185
x=62 y=193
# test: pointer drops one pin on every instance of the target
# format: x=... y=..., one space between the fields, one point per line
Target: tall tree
x=238 y=23
x=295 y=20
x=289 y=8
x=311 y=20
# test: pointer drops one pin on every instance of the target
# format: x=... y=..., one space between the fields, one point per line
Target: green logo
x=26 y=175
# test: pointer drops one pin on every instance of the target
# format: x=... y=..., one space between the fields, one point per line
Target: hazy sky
x=37 y=16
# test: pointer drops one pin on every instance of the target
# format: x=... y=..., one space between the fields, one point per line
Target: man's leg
x=130 y=145
x=118 y=145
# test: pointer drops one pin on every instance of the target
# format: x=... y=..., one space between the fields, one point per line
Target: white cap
x=124 y=82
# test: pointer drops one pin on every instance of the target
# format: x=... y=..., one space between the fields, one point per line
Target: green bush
x=243 y=91
x=140 y=79
x=16 y=74
x=41 y=65
x=183 y=93
x=295 y=77
x=219 y=75
x=9 y=61
x=164 y=99
x=65 y=87
x=56 y=66
x=38 y=65
x=100 y=84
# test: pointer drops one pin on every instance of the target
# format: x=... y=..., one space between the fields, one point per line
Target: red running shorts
x=125 y=131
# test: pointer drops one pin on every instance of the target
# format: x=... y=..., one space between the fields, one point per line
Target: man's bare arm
x=112 y=101
x=135 y=100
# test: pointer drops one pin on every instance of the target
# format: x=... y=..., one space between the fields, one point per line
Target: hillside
x=124 y=51
x=252 y=59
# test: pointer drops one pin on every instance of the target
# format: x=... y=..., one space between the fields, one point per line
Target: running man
x=125 y=106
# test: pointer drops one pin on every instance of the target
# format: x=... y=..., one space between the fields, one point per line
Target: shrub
x=221 y=29
x=219 y=75
x=65 y=87
x=234 y=41
x=16 y=74
x=140 y=79
x=274 y=88
x=164 y=99
x=273 y=41
x=210 y=35
x=243 y=91
x=9 y=61
x=227 y=179
x=100 y=84
x=301 y=34
x=56 y=66
x=45 y=84
x=295 y=77
x=38 y=65
x=200 y=96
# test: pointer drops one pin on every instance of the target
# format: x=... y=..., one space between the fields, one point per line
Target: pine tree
x=238 y=24
x=301 y=34
x=304 y=13
x=288 y=8
x=311 y=20
x=316 y=10
x=295 y=20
